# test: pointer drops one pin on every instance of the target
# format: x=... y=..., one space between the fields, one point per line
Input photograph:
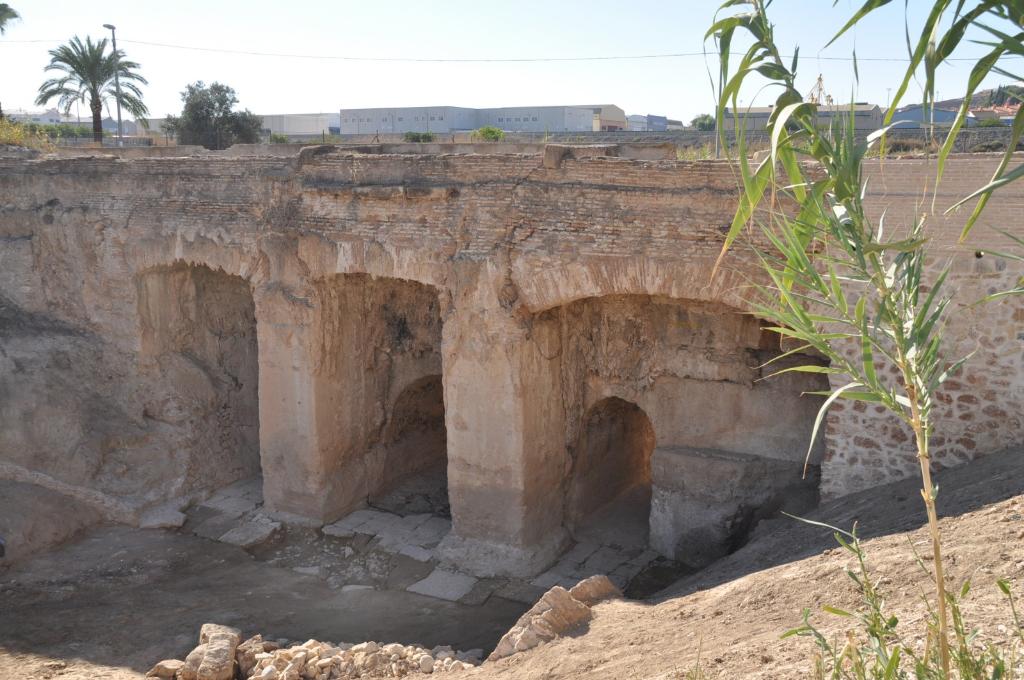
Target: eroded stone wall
x=198 y=352
x=533 y=289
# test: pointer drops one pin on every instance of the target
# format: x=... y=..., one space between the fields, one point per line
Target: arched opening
x=198 y=334
x=414 y=477
x=381 y=372
x=609 y=497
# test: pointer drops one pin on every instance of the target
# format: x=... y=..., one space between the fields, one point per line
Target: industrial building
x=448 y=119
x=866 y=116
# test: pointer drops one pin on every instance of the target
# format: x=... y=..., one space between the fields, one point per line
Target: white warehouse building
x=446 y=119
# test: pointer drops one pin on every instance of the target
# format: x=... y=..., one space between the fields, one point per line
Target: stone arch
x=378 y=372
x=414 y=454
x=198 y=338
x=611 y=464
x=542 y=286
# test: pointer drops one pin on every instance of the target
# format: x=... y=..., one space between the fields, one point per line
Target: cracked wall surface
x=534 y=287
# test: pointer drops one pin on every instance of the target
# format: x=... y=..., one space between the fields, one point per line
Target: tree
x=88 y=77
x=7 y=14
x=208 y=119
x=704 y=122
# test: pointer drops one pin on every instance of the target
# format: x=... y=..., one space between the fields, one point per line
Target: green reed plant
x=839 y=283
x=878 y=650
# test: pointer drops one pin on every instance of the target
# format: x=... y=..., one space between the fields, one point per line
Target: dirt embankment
x=735 y=610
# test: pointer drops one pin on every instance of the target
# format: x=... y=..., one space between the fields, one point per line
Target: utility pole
x=117 y=82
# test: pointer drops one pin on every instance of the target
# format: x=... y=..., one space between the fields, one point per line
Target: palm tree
x=88 y=76
x=6 y=14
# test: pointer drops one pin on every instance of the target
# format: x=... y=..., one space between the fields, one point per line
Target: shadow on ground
x=889 y=509
x=124 y=597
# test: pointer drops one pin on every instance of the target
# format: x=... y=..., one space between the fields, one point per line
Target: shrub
x=489 y=133
x=877 y=649
x=990 y=122
x=994 y=145
x=905 y=145
x=418 y=137
x=277 y=138
x=16 y=134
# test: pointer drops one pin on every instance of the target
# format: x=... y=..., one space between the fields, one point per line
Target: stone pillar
x=290 y=449
x=506 y=445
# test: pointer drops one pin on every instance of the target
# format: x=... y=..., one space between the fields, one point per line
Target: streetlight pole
x=117 y=82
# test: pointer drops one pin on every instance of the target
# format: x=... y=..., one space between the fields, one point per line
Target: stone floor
x=391 y=546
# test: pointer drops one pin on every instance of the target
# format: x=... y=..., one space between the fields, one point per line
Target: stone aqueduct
x=544 y=330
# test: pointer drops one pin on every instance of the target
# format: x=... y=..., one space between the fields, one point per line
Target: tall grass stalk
x=839 y=283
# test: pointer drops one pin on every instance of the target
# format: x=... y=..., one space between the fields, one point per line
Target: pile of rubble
x=320 y=661
x=222 y=656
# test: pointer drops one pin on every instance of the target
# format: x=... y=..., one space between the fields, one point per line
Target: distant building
x=1005 y=113
x=48 y=117
x=647 y=123
x=448 y=119
x=672 y=124
x=55 y=117
x=918 y=116
x=300 y=124
x=865 y=116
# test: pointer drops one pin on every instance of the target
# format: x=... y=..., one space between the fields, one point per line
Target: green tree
x=88 y=76
x=208 y=118
x=88 y=72
x=489 y=133
x=704 y=122
x=7 y=14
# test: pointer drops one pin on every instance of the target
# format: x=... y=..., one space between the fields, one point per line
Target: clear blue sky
x=677 y=87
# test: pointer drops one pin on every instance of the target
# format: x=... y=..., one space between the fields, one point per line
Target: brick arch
x=251 y=267
x=543 y=287
x=326 y=258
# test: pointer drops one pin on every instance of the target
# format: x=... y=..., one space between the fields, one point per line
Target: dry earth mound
x=736 y=609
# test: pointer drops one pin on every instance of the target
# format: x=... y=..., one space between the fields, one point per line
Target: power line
x=476 y=60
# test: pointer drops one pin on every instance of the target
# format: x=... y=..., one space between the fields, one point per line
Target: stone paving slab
x=524 y=593
x=430 y=533
x=481 y=592
x=256 y=531
x=444 y=585
x=604 y=561
x=237 y=499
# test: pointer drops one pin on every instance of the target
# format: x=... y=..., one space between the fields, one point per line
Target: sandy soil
x=114 y=602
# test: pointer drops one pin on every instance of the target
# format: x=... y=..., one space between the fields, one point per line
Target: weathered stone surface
x=253 y=532
x=167 y=668
x=444 y=585
x=555 y=614
x=214 y=657
x=169 y=326
x=702 y=497
x=166 y=516
x=595 y=589
x=245 y=654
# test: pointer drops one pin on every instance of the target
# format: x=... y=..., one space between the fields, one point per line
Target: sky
x=678 y=87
